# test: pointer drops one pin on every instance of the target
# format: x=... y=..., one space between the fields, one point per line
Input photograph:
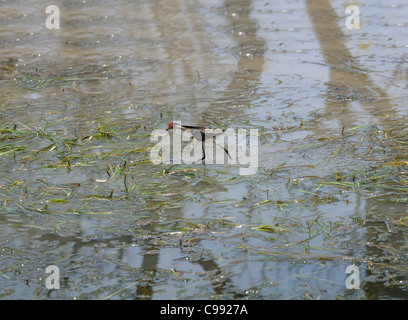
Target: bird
x=201 y=134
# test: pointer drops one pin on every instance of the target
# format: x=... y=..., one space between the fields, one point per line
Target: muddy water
x=119 y=227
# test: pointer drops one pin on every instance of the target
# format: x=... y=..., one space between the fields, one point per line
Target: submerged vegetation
x=70 y=77
x=117 y=152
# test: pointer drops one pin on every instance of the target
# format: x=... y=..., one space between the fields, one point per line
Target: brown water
x=132 y=67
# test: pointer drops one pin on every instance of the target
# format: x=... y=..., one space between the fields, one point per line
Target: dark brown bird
x=201 y=133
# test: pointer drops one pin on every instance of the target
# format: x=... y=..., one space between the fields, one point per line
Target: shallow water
x=79 y=193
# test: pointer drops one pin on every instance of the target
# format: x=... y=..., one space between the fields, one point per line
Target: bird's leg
x=226 y=151
x=203 y=148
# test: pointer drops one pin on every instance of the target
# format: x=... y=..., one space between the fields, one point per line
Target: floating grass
x=35 y=79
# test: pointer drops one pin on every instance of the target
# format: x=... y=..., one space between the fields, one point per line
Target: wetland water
x=78 y=190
